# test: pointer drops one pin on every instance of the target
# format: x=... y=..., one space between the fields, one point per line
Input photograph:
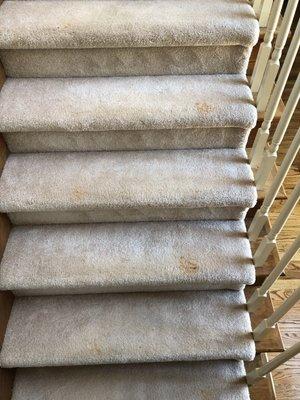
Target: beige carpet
x=122 y=257
x=128 y=328
x=126 y=186
x=139 y=37
x=213 y=380
x=133 y=113
x=127 y=183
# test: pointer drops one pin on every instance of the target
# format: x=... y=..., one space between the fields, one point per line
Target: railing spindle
x=270 y=154
x=267 y=324
x=265 y=369
x=274 y=63
x=260 y=293
x=269 y=241
x=265 y=47
x=263 y=132
x=261 y=215
x=257 y=4
x=265 y=12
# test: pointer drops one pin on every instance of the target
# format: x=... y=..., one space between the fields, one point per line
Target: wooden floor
x=287 y=377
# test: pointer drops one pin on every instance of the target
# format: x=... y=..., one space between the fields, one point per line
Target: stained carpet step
x=206 y=380
x=127 y=328
x=126 y=186
x=127 y=257
x=137 y=113
x=106 y=38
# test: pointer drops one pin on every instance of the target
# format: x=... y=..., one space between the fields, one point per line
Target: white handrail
x=260 y=372
x=269 y=241
x=263 y=132
x=268 y=323
x=260 y=293
x=265 y=47
x=274 y=63
x=261 y=215
x=270 y=154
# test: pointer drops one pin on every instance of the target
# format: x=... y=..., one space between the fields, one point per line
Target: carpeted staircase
x=127 y=184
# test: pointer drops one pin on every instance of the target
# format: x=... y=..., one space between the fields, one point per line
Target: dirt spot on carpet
x=188 y=265
x=79 y=193
x=94 y=348
x=204 y=107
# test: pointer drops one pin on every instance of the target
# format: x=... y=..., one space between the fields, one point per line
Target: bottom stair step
x=127 y=328
x=207 y=380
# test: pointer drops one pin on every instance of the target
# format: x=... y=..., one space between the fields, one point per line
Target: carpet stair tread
x=132 y=113
x=127 y=103
x=126 y=181
x=89 y=24
x=127 y=328
x=95 y=258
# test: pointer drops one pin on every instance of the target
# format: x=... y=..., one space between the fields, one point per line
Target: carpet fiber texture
x=127 y=257
x=127 y=328
x=126 y=186
x=53 y=63
x=126 y=23
x=126 y=113
x=139 y=37
x=213 y=380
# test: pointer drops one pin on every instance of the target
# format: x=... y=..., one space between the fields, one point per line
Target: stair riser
x=127 y=289
x=126 y=215
x=27 y=142
x=188 y=381
x=125 y=61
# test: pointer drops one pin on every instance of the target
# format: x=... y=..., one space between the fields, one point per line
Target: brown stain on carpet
x=188 y=265
x=204 y=107
x=94 y=348
x=79 y=193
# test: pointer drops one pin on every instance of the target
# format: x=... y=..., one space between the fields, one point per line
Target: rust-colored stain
x=79 y=194
x=188 y=265
x=204 y=107
x=95 y=348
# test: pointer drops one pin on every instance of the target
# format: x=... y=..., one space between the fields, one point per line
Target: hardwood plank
x=287 y=379
x=290 y=323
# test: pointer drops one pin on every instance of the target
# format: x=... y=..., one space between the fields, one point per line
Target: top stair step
x=90 y=38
